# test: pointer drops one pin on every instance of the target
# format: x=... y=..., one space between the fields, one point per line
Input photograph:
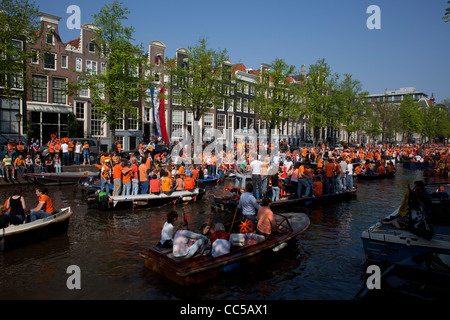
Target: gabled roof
x=75 y=43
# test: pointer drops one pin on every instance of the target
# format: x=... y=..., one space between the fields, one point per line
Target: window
x=34 y=56
x=103 y=67
x=9 y=109
x=58 y=90
x=96 y=122
x=79 y=65
x=84 y=92
x=208 y=120
x=49 y=38
x=64 y=64
x=244 y=123
x=221 y=123
x=177 y=123
x=238 y=123
x=39 y=88
x=250 y=123
x=245 y=105
x=91 y=67
x=79 y=109
x=238 y=105
x=132 y=121
x=50 y=60
x=230 y=121
x=91 y=46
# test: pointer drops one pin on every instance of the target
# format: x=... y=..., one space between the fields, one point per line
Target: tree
x=436 y=122
x=446 y=16
x=117 y=90
x=387 y=114
x=199 y=83
x=411 y=116
x=276 y=99
x=18 y=28
x=350 y=104
x=318 y=96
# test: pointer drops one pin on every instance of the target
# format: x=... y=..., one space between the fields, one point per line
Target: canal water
x=327 y=264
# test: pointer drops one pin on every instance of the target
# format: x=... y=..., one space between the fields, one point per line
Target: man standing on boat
x=248 y=204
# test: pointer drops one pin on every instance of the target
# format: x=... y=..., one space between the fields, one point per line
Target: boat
x=293 y=200
x=31 y=232
x=100 y=200
x=383 y=244
x=230 y=199
x=412 y=164
x=424 y=277
x=202 y=267
x=375 y=176
x=53 y=178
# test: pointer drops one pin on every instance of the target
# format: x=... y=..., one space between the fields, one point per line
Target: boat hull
x=32 y=232
x=202 y=268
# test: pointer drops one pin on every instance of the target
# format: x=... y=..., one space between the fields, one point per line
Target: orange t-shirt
x=318 y=188
x=166 y=184
x=143 y=172
x=48 y=203
x=126 y=177
x=329 y=169
x=189 y=183
x=117 y=171
x=155 y=185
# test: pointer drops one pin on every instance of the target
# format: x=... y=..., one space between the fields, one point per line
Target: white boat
x=31 y=232
x=142 y=200
x=385 y=244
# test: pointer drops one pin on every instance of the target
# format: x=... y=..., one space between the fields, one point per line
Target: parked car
x=93 y=148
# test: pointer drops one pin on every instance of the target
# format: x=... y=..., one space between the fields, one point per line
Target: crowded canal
x=328 y=262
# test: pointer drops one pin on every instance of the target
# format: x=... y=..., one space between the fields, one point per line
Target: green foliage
x=446 y=16
x=276 y=99
x=18 y=21
x=199 y=83
x=116 y=90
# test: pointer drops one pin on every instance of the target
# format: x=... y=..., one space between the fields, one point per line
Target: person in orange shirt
x=105 y=175
x=126 y=179
x=330 y=178
x=86 y=158
x=189 y=182
x=155 y=185
x=44 y=207
x=381 y=170
x=143 y=178
x=166 y=183
x=118 y=170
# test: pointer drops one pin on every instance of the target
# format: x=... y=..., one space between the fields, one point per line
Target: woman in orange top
x=44 y=207
x=86 y=158
x=155 y=185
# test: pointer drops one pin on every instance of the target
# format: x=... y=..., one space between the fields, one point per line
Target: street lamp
x=19 y=119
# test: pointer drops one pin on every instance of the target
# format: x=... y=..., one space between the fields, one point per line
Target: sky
x=410 y=49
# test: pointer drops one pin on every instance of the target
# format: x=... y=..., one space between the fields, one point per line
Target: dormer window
x=49 y=38
x=91 y=46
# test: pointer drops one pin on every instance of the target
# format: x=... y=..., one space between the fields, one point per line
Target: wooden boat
x=386 y=245
x=293 y=200
x=17 y=236
x=53 y=178
x=230 y=200
x=96 y=200
x=375 y=176
x=202 y=267
x=424 y=277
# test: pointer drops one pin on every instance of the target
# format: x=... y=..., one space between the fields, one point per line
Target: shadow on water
x=327 y=263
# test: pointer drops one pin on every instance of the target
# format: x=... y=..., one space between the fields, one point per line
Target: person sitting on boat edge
x=155 y=185
x=189 y=182
x=3 y=217
x=248 y=204
x=44 y=207
x=186 y=243
x=17 y=206
x=266 y=221
x=220 y=241
x=167 y=231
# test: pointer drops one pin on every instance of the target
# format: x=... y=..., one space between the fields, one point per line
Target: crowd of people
x=15 y=211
